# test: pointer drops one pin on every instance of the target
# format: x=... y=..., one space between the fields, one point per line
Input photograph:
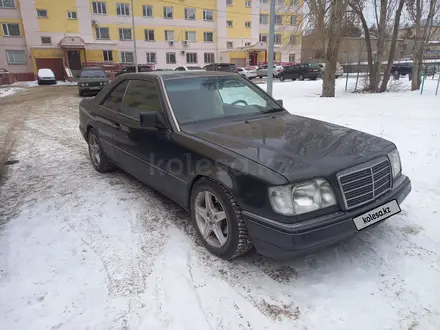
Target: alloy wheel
x=211 y=219
x=94 y=150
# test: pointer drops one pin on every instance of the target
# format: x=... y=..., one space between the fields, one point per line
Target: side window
x=141 y=96
x=114 y=100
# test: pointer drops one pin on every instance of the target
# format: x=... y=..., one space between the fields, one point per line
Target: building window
x=248 y=24
x=208 y=15
x=169 y=35
x=102 y=33
x=125 y=34
x=190 y=14
x=127 y=57
x=208 y=36
x=42 y=13
x=292 y=58
x=147 y=11
x=264 y=1
x=229 y=44
x=167 y=12
x=170 y=58
x=122 y=9
x=248 y=3
x=46 y=40
x=292 y=40
x=209 y=58
x=16 y=56
x=263 y=37
x=293 y=20
x=278 y=39
x=149 y=35
x=72 y=15
x=191 y=58
x=7 y=4
x=264 y=19
x=229 y=2
x=11 y=29
x=247 y=43
x=190 y=36
x=151 y=57
x=278 y=19
x=229 y=24
x=108 y=55
x=99 y=8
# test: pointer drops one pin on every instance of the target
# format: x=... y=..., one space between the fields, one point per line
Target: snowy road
x=81 y=250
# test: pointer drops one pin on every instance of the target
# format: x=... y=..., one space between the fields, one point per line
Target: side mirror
x=280 y=102
x=153 y=119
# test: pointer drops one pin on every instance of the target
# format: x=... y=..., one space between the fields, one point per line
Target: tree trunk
x=369 y=49
x=380 y=44
x=387 y=73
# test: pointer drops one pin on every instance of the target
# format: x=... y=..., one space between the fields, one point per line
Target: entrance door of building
x=253 y=59
x=74 y=58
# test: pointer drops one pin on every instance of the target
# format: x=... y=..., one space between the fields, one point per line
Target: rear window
x=93 y=74
x=145 y=69
x=314 y=66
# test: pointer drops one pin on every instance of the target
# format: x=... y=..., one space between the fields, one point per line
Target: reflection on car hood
x=294 y=146
x=90 y=79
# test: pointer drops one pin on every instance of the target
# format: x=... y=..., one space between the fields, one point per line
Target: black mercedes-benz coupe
x=249 y=172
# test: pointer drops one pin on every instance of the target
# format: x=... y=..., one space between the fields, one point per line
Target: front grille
x=95 y=83
x=364 y=185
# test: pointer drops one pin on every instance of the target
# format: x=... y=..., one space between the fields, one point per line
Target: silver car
x=262 y=71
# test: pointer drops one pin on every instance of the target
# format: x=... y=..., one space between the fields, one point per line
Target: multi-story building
x=169 y=33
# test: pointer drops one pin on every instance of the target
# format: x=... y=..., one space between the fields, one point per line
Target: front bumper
x=90 y=88
x=279 y=240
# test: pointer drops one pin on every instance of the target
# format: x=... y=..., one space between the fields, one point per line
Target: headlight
x=82 y=84
x=87 y=84
x=302 y=198
x=396 y=166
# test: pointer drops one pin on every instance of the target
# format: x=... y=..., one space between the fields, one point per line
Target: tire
x=313 y=78
x=282 y=78
x=81 y=93
x=293 y=79
x=301 y=77
x=237 y=240
x=103 y=164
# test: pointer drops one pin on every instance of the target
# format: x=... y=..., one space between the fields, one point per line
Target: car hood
x=294 y=146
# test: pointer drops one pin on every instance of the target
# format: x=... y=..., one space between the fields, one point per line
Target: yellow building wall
x=12 y=20
x=178 y=7
x=45 y=53
x=57 y=20
x=94 y=55
x=238 y=13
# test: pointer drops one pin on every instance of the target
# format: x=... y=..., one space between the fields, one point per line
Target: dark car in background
x=132 y=69
x=225 y=67
x=92 y=79
x=249 y=172
x=301 y=71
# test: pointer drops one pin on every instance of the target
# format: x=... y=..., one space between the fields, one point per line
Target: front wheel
x=281 y=78
x=301 y=77
x=217 y=219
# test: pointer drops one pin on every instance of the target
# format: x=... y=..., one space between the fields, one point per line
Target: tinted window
x=114 y=100
x=180 y=69
x=141 y=96
x=145 y=69
x=93 y=74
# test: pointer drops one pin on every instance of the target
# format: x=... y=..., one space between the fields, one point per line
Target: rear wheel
x=217 y=219
x=313 y=78
x=99 y=160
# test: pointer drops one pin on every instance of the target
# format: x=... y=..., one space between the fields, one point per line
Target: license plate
x=378 y=214
x=95 y=87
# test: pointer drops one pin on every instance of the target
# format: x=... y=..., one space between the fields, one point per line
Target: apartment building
x=168 y=33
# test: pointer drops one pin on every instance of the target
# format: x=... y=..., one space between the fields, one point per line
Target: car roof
x=170 y=75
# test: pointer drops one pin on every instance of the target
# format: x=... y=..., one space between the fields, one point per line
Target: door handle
x=116 y=125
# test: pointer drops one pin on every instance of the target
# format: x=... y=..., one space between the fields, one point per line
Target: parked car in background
x=247 y=73
x=283 y=183
x=401 y=69
x=225 y=67
x=163 y=70
x=189 y=68
x=46 y=76
x=301 y=71
x=262 y=70
x=131 y=69
x=338 y=72
x=92 y=79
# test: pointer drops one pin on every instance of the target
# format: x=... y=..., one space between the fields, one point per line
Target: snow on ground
x=35 y=83
x=80 y=250
x=7 y=91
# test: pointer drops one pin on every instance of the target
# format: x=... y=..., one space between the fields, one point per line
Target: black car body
x=214 y=141
x=132 y=69
x=401 y=69
x=92 y=79
x=301 y=72
x=224 y=67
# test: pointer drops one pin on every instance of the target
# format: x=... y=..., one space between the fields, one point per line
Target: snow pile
x=7 y=91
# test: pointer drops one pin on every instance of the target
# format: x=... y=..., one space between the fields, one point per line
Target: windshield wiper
x=272 y=110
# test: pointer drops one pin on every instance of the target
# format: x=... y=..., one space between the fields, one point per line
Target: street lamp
x=134 y=36
x=271 y=43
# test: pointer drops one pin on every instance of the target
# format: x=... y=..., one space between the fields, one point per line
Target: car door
x=106 y=120
x=142 y=150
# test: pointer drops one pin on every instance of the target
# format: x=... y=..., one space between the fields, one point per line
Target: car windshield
x=194 y=68
x=208 y=98
x=93 y=74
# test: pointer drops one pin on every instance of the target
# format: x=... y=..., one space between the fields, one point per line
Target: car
x=248 y=172
x=247 y=73
x=262 y=70
x=132 y=68
x=189 y=68
x=163 y=70
x=301 y=71
x=339 y=69
x=401 y=69
x=46 y=76
x=92 y=79
x=226 y=67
